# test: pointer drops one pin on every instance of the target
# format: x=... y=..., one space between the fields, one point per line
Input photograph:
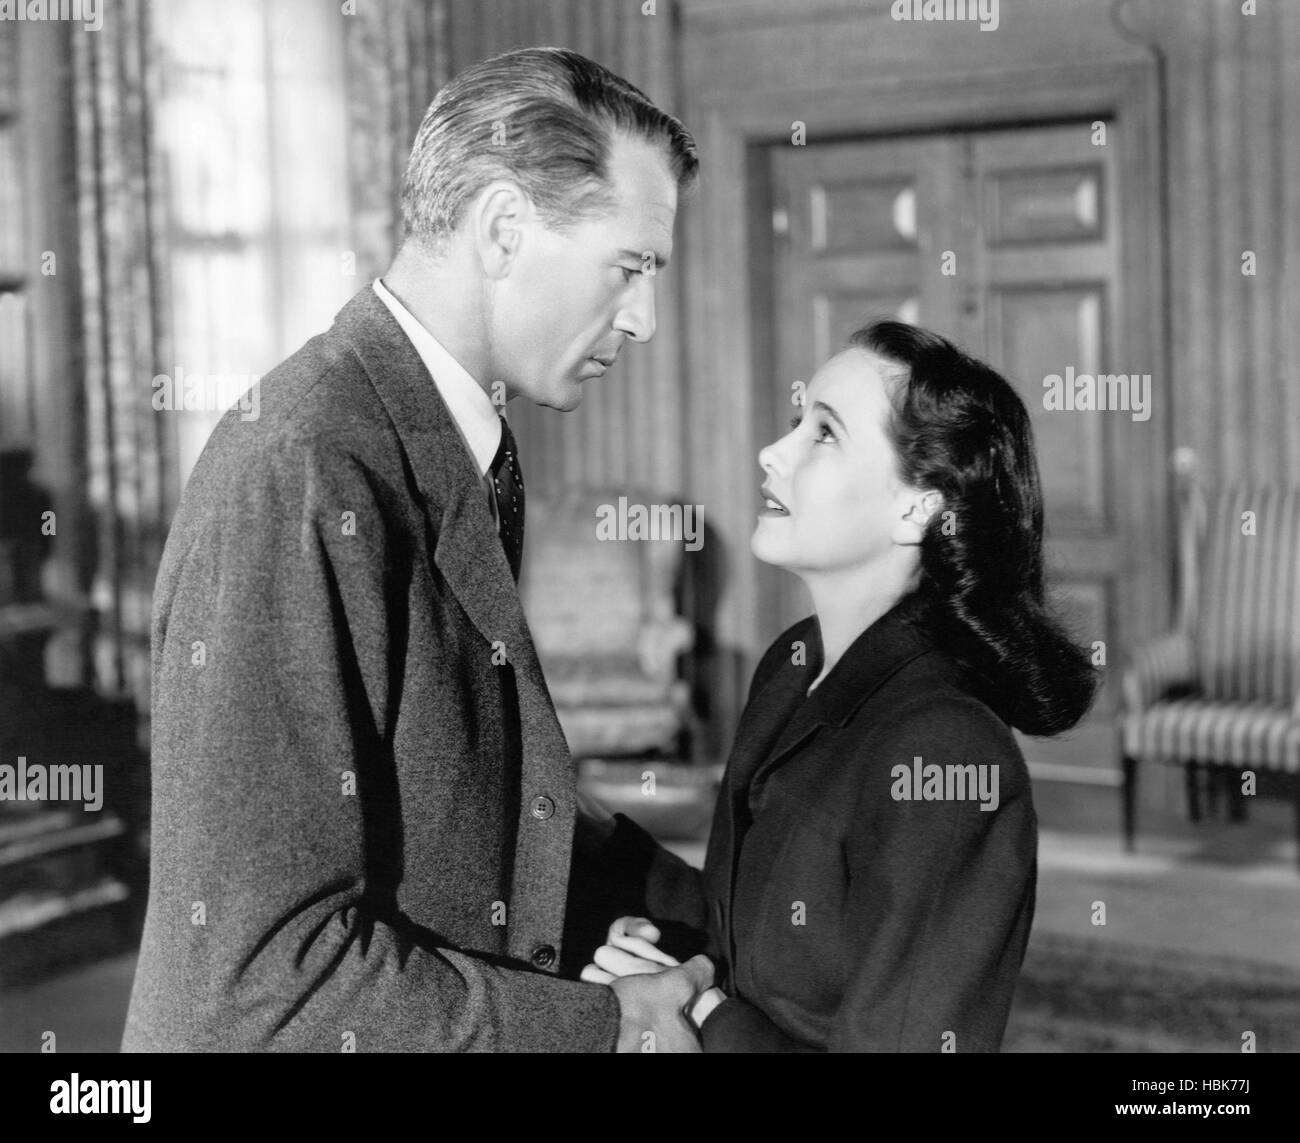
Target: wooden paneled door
x=1008 y=242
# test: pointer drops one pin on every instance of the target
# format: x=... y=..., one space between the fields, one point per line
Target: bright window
x=252 y=132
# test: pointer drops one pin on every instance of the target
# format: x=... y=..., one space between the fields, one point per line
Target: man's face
x=570 y=300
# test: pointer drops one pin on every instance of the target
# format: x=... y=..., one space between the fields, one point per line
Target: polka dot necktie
x=508 y=483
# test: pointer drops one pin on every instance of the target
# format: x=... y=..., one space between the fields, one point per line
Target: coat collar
x=883 y=649
x=467 y=550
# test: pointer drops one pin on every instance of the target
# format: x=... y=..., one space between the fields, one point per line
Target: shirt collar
x=470 y=407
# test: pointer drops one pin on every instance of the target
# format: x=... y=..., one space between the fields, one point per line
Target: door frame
x=728 y=239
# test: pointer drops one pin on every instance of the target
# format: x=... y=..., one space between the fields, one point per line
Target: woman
x=870 y=874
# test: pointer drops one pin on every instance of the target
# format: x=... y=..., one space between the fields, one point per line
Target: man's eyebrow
x=825 y=408
x=639 y=256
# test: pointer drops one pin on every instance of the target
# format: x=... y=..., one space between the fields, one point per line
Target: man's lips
x=594 y=367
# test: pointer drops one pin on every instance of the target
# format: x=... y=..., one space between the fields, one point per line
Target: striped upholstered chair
x=1222 y=691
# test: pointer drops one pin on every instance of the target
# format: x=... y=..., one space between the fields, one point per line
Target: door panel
x=1037 y=204
x=1047 y=285
x=1033 y=330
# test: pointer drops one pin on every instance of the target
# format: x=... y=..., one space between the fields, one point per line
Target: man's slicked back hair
x=542 y=117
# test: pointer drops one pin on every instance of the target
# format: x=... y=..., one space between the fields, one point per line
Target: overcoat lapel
x=469 y=554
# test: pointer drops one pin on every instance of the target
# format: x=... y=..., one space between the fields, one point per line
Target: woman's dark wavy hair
x=959 y=428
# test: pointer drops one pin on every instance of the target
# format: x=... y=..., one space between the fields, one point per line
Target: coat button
x=544 y=956
x=543 y=807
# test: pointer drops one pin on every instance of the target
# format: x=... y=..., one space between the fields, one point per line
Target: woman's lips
x=771 y=505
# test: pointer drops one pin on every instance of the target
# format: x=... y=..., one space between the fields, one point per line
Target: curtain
x=127 y=488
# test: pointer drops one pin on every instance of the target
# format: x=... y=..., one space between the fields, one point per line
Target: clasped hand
x=657 y=994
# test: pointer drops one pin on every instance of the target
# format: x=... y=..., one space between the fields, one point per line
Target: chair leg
x=1297 y=819
x=1237 y=807
x=1130 y=804
x=1193 y=791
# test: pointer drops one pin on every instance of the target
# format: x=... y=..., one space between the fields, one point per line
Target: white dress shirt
x=471 y=409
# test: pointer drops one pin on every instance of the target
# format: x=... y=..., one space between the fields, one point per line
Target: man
x=364 y=807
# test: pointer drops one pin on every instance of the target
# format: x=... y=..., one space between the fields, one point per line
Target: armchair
x=1222 y=690
x=605 y=623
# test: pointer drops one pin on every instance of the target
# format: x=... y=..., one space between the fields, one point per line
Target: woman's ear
x=919 y=508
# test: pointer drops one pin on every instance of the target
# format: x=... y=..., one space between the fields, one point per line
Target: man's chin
x=565 y=399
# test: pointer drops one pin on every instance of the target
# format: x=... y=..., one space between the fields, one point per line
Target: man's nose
x=637 y=317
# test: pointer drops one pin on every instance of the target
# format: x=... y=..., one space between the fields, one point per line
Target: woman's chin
x=764 y=550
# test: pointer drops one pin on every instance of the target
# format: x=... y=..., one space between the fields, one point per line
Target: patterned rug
x=1078 y=995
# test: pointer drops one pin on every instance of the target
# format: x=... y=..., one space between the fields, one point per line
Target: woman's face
x=842 y=507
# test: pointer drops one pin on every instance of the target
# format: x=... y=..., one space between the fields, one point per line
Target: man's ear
x=497 y=219
x=918 y=510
